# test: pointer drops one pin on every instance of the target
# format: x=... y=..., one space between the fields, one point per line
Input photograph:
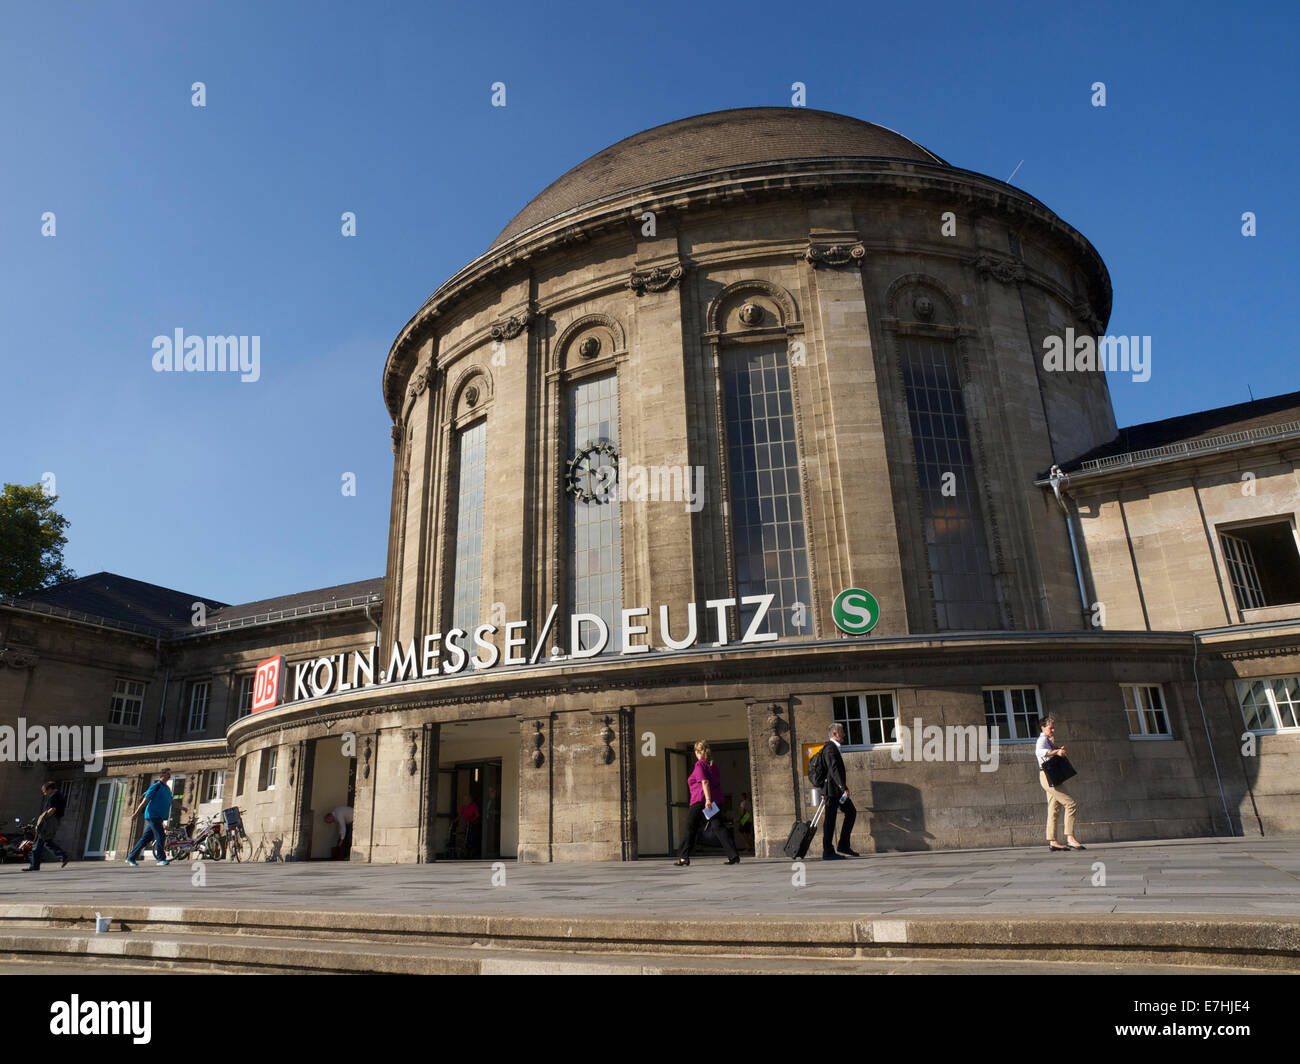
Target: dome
x=740 y=137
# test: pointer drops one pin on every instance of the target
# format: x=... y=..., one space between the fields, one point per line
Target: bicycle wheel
x=237 y=848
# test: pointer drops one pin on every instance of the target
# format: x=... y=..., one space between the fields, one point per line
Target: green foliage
x=31 y=540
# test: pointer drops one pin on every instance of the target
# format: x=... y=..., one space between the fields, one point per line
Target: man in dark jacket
x=837 y=800
x=47 y=825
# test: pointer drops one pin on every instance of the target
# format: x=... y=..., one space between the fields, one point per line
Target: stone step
x=1256 y=942
x=148 y=952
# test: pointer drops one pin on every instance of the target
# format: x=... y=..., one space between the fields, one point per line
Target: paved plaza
x=1231 y=877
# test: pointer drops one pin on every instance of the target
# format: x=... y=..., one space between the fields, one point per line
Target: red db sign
x=268 y=683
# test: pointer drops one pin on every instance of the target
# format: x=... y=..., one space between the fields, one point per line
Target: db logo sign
x=268 y=683
x=855 y=611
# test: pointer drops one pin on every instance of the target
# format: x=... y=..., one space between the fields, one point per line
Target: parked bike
x=16 y=844
x=206 y=841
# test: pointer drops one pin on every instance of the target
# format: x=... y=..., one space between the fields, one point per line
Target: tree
x=31 y=540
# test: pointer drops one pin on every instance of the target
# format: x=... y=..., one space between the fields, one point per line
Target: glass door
x=105 y=817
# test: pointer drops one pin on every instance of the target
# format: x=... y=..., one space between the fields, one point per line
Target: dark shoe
x=1057 y=849
x=29 y=868
x=682 y=861
x=832 y=857
x=1078 y=847
x=734 y=860
x=65 y=861
x=847 y=852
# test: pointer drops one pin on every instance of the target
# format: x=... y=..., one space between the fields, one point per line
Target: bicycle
x=268 y=855
x=207 y=842
x=238 y=846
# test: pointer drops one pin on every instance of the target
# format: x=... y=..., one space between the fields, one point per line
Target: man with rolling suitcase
x=837 y=800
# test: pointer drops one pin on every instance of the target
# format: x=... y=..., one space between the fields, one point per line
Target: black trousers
x=833 y=809
x=696 y=823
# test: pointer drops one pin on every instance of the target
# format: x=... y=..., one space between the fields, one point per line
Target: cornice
x=729 y=185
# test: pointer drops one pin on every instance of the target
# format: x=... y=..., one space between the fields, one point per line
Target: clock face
x=592 y=473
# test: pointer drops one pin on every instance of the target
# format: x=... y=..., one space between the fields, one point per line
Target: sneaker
x=848 y=852
x=131 y=862
x=165 y=861
x=832 y=857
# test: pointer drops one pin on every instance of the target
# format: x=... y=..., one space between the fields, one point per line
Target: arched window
x=595 y=528
x=768 y=535
x=471 y=454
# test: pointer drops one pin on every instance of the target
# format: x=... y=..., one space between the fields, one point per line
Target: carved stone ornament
x=589 y=348
x=775 y=744
x=420 y=381
x=607 y=737
x=924 y=307
x=396 y=434
x=835 y=254
x=471 y=395
x=365 y=759
x=1007 y=271
x=17 y=659
x=509 y=328
x=539 y=740
x=751 y=314
x=658 y=279
x=411 y=767
x=1083 y=311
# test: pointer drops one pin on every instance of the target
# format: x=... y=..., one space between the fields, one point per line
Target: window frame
x=863 y=720
x=1141 y=711
x=127 y=697
x=195 y=686
x=246 y=680
x=1010 y=714
x=1277 y=728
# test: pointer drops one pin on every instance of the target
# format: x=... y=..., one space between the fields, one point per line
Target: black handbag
x=1058 y=770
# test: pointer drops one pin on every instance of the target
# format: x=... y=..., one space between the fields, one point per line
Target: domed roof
x=720 y=139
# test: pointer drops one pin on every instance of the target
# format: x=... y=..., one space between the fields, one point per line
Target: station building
x=701 y=386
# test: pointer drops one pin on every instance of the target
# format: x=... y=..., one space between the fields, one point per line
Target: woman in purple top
x=705 y=785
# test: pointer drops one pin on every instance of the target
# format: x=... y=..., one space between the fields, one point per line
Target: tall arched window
x=471 y=474
x=595 y=555
x=770 y=544
x=965 y=595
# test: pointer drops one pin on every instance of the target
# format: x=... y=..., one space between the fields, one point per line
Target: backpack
x=817 y=769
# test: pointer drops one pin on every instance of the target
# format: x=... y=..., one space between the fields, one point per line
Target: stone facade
x=881 y=279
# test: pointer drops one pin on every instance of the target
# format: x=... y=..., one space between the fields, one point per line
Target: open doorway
x=662 y=797
x=468 y=823
x=333 y=784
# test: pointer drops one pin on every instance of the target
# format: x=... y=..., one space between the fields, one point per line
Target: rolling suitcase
x=801 y=835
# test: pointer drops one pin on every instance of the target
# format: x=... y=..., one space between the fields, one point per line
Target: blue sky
x=225 y=219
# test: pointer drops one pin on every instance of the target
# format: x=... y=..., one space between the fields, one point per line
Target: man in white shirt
x=342 y=816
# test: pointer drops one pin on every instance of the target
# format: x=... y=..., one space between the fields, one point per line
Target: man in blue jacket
x=157 y=804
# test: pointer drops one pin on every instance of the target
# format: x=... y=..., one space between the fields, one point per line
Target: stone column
x=774 y=767
x=363 y=809
x=430 y=744
x=535 y=776
x=302 y=770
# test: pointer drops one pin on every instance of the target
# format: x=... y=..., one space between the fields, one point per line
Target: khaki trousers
x=1056 y=798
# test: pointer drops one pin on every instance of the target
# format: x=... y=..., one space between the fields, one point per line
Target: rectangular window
x=244 y=703
x=770 y=545
x=1270 y=705
x=467 y=585
x=869 y=720
x=965 y=595
x=266 y=770
x=216 y=790
x=199 y=706
x=127 y=704
x=1145 y=706
x=595 y=524
x=239 y=775
x=1014 y=711
x=1263 y=564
